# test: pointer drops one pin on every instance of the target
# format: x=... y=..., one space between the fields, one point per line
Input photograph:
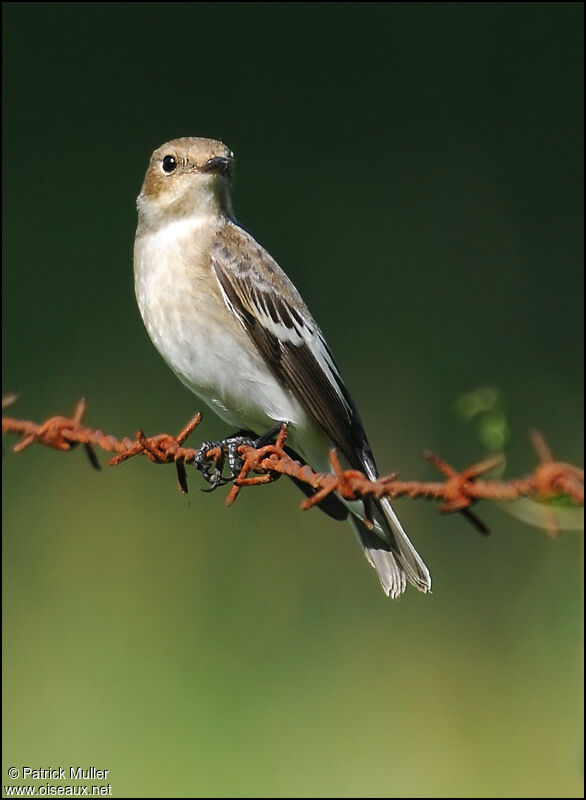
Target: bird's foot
x=212 y=466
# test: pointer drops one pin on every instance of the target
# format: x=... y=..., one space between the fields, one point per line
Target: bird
x=235 y=330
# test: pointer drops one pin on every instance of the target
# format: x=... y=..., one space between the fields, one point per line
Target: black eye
x=169 y=163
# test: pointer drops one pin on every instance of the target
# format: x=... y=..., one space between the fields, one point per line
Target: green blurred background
x=417 y=169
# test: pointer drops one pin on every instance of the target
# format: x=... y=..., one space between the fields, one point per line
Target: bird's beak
x=218 y=165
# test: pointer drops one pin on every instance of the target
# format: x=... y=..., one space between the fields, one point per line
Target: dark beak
x=218 y=165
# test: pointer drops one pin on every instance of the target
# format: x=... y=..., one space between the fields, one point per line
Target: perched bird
x=235 y=330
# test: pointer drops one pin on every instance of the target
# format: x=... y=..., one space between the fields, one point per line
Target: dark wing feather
x=276 y=319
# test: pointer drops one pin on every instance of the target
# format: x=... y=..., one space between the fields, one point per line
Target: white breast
x=201 y=340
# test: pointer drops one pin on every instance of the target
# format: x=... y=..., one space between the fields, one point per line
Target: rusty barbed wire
x=458 y=491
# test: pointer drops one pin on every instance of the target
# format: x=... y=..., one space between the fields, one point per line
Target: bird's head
x=187 y=177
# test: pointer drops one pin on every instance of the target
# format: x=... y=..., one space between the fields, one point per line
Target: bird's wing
x=271 y=310
x=269 y=307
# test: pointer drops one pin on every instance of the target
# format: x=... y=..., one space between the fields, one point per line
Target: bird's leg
x=265 y=438
x=212 y=473
x=204 y=465
x=228 y=448
x=234 y=458
x=250 y=440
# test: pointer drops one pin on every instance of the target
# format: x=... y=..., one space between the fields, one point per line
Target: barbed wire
x=458 y=490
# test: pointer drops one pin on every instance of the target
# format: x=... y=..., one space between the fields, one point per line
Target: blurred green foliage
x=417 y=169
x=484 y=406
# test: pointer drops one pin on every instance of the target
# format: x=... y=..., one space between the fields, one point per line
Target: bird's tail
x=386 y=545
x=388 y=549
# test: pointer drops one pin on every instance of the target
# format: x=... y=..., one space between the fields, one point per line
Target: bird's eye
x=169 y=163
